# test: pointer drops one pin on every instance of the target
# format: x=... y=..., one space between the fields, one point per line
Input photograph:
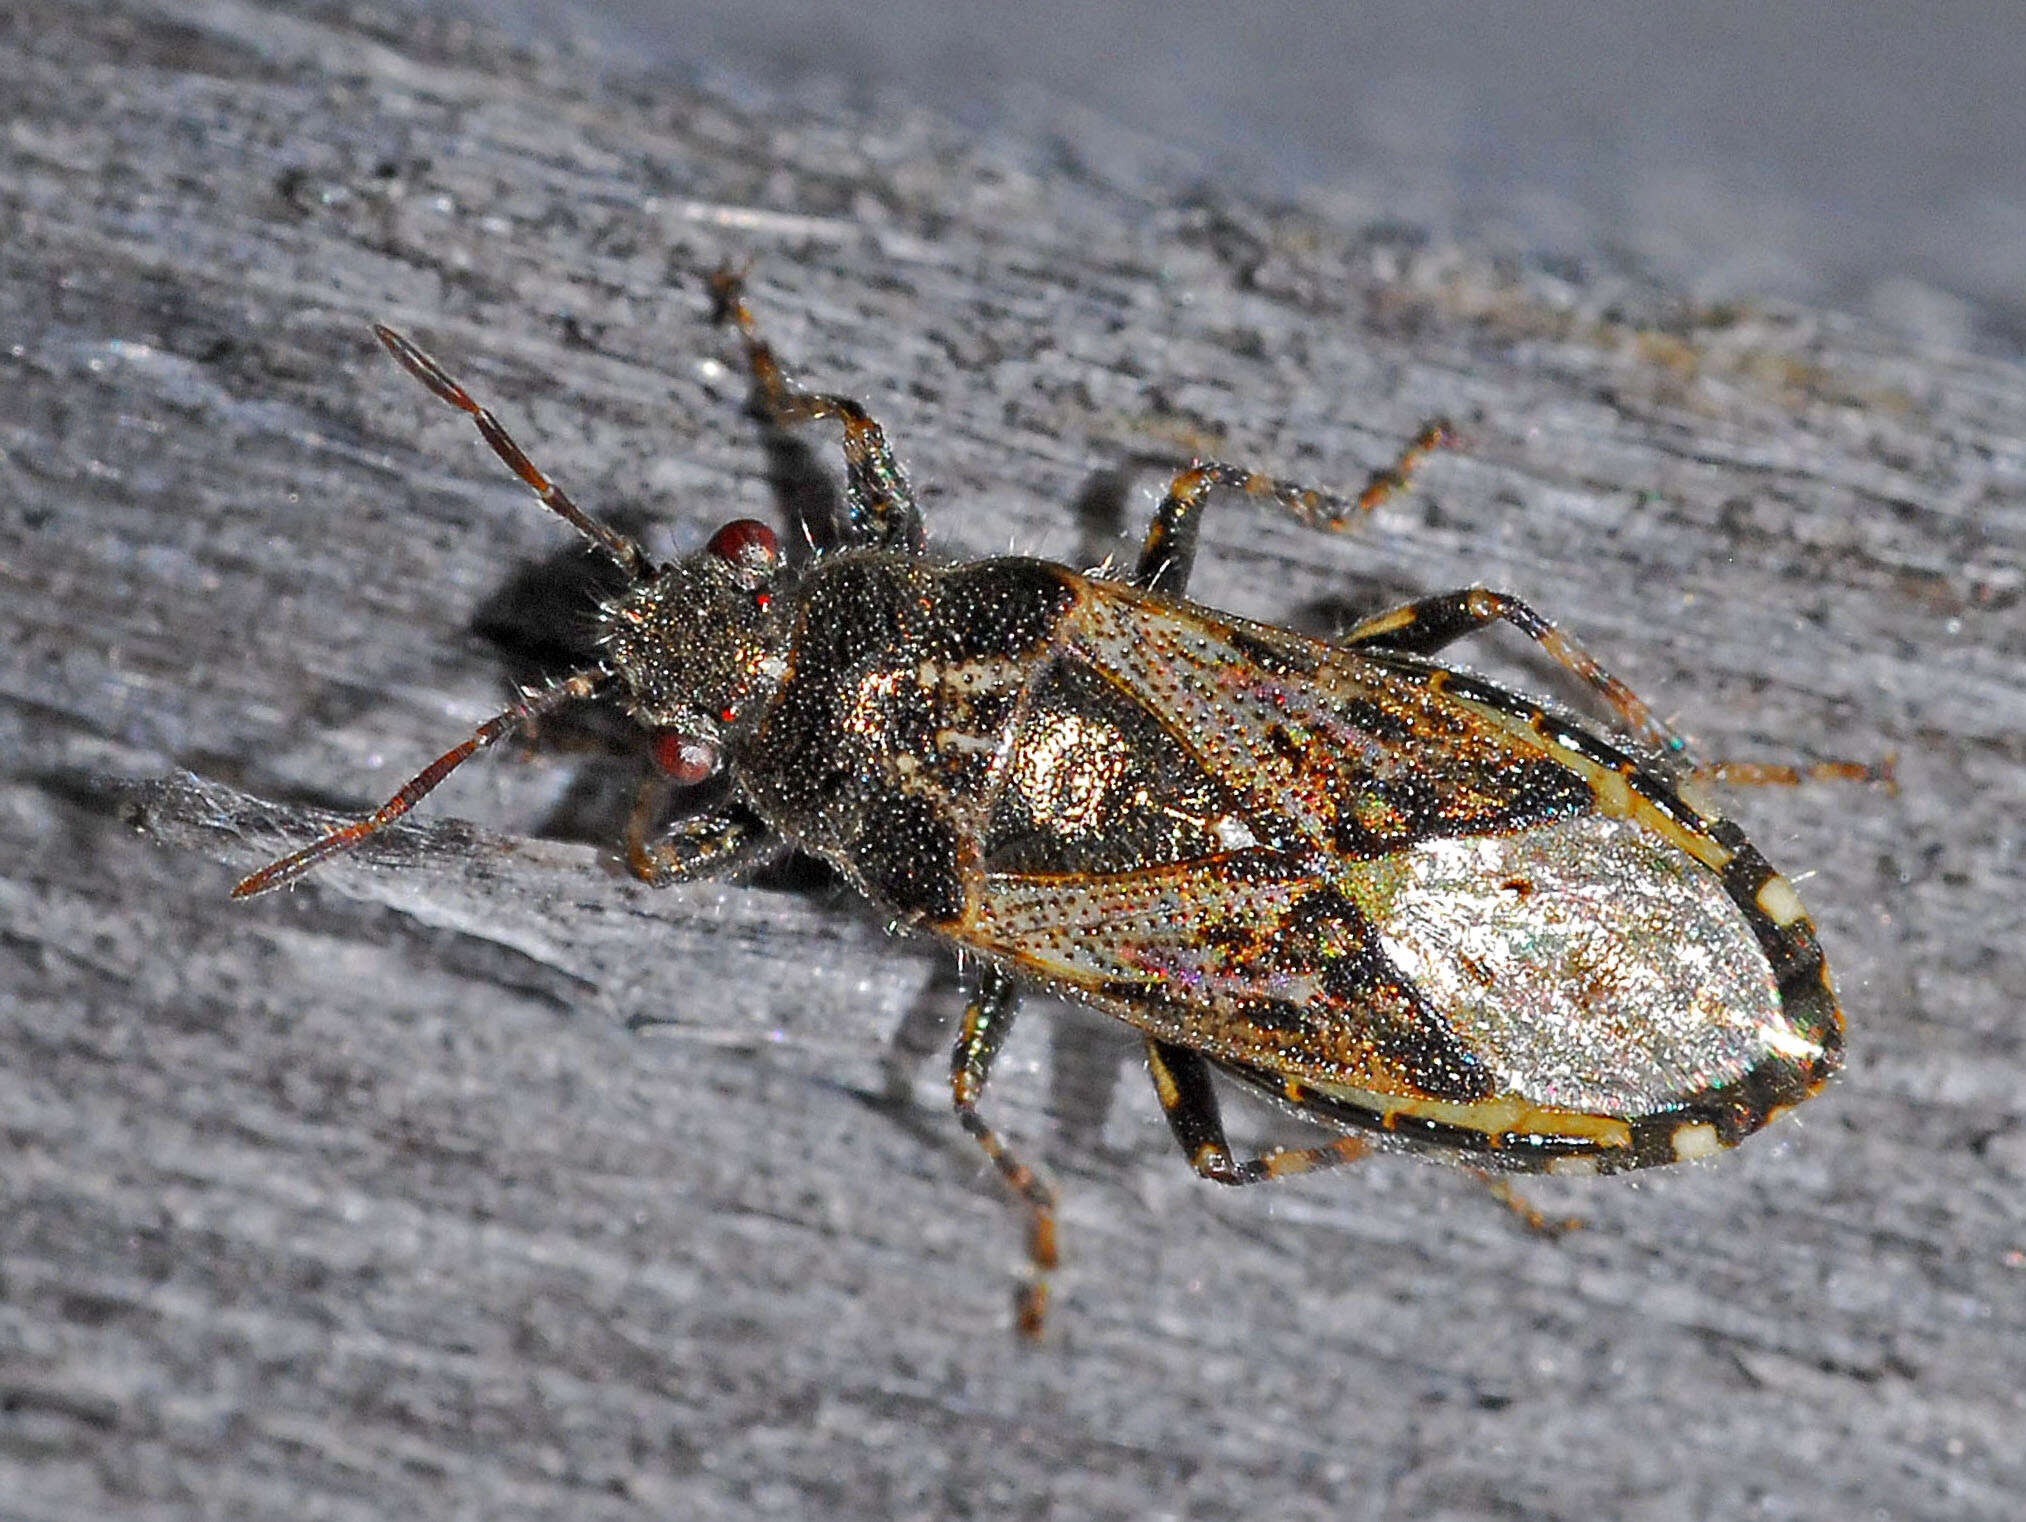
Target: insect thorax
x=904 y=684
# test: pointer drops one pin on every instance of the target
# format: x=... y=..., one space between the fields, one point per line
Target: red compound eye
x=685 y=758
x=746 y=542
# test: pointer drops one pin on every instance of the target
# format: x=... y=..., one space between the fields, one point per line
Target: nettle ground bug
x=1388 y=894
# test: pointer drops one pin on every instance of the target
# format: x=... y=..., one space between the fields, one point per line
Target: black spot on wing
x=1284 y=746
x=1343 y=950
x=1377 y=814
x=1282 y=1017
x=1289 y=656
x=1369 y=718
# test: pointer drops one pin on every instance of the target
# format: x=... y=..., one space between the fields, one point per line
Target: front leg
x=879 y=504
x=713 y=844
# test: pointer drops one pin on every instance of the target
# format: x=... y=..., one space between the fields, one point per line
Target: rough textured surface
x=374 y=1201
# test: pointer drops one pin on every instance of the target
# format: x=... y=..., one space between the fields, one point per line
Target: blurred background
x=1861 y=154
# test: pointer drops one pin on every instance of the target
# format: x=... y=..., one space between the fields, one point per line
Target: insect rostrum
x=1390 y=895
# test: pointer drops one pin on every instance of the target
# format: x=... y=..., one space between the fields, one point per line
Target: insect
x=1388 y=894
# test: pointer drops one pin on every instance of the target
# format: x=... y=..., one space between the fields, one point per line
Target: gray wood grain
x=473 y=1179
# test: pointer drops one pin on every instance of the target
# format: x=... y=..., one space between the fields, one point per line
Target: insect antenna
x=579 y=684
x=630 y=557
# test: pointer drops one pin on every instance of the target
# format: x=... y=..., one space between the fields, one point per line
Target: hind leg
x=1182 y=1084
x=1428 y=624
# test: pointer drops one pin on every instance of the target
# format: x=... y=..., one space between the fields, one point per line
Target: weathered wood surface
x=371 y=1202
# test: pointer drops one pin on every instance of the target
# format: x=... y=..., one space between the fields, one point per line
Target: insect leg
x=1773 y=774
x=1182 y=1084
x=704 y=845
x=987 y=1019
x=880 y=504
x=1531 y=1215
x=1169 y=550
x=1425 y=626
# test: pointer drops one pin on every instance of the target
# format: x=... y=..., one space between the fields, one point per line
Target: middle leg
x=1169 y=551
x=988 y=1019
